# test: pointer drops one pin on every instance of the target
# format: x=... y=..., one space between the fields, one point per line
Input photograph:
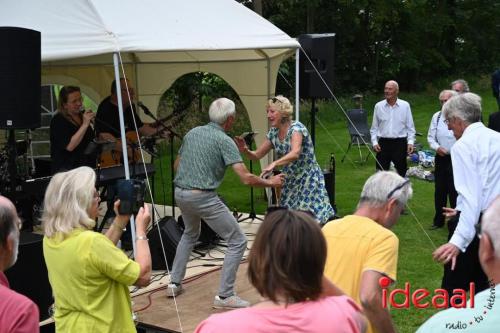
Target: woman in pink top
x=286 y=267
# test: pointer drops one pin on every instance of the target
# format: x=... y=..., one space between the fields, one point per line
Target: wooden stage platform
x=155 y=309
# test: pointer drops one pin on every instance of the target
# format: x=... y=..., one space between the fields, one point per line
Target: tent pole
x=123 y=137
x=297 y=80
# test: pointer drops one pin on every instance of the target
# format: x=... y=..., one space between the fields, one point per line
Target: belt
x=194 y=190
x=401 y=138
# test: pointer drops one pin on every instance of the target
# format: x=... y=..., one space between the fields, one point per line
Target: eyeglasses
x=397 y=188
x=271 y=209
x=447 y=120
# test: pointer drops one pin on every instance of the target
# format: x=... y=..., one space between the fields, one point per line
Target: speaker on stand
x=20 y=79
x=316 y=70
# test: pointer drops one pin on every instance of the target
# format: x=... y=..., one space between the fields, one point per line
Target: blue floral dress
x=304 y=186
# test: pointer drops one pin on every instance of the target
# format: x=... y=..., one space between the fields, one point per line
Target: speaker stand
x=172 y=173
x=11 y=165
x=314 y=110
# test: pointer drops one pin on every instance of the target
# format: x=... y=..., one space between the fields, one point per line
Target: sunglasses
x=397 y=188
x=275 y=99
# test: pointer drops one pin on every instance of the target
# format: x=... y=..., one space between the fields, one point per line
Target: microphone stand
x=252 y=215
x=171 y=135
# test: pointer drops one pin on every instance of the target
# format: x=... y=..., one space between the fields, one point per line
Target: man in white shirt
x=441 y=139
x=476 y=170
x=392 y=131
x=484 y=316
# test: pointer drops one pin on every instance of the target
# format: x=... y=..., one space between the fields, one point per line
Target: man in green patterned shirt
x=205 y=154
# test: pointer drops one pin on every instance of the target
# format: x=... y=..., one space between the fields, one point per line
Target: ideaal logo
x=440 y=299
x=480 y=314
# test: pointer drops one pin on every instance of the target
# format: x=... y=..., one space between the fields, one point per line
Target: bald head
x=9 y=234
x=8 y=219
x=391 y=91
x=393 y=83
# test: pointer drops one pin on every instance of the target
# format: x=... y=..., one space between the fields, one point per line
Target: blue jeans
x=206 y=205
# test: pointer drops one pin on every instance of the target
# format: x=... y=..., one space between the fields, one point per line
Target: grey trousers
x=206 y=205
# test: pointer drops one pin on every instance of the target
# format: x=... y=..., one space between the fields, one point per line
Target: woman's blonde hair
x=67 y=201
x=282 y=105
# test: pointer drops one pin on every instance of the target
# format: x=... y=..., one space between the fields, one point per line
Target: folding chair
x=359 y=132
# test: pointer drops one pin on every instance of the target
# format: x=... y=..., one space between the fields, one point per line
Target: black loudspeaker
x=20 y=78
x=29 y=274
x=320 y=49
x=207 y=238
x=171 y=235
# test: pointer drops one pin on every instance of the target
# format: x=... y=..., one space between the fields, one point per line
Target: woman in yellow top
x=89 y=275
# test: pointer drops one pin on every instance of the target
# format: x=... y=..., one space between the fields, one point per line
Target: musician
x=71 y=132
x=108 y=128
x=108 y=120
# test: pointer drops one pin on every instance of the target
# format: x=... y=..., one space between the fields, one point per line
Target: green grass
x=415 y=264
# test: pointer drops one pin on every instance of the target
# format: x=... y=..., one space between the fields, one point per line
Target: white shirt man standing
x=476 y=169
x=392 y=131
x=441 y=139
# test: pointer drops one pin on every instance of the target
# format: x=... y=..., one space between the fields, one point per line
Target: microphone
x=144 y=108
x=82 y=109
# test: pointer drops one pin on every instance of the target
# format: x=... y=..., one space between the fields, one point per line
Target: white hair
x=383 y=186
x=221 y=109
x=447 y=92
x=490 y=224
x=464 y=84
x=394 y=83
x=67 y=201
x=466 y=106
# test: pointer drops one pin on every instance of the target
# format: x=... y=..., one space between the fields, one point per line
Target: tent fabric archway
x=159 y=41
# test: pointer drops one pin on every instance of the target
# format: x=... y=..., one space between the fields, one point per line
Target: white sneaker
x=174 y=289
x=231 y=302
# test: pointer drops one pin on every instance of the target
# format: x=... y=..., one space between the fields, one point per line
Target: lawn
x=416 y=241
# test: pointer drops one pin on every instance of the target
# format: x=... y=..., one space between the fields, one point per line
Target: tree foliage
x=413 y=42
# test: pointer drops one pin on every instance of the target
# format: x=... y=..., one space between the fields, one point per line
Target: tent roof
x=143 y=31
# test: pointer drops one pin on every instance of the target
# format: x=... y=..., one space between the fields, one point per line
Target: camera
x=131 y=195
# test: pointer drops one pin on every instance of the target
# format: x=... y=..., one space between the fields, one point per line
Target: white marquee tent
x=158 y=41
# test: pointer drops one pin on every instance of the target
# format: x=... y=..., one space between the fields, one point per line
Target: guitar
x=114 y=156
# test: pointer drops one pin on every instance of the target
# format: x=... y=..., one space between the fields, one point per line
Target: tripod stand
x=251 y=216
